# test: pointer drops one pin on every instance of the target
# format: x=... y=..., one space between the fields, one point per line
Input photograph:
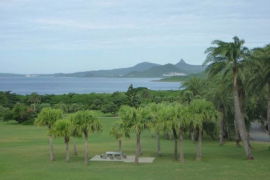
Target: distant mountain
x=157 y=71
x=120 y=72
x=179 y=69
x=144 y=69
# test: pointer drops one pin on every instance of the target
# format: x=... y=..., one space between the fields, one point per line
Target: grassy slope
x=23 y=155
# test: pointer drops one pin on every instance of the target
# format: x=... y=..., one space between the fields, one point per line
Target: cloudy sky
x=47 y=36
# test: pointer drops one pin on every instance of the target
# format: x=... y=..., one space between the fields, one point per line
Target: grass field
x=24 y=155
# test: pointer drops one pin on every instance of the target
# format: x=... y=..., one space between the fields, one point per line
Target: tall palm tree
x=260 y=81
x=86 y=122
x=201 y=111
x=63 y=128
x=137 y=120
x=181 y=119
x=75 y=133
x=157 y=123
x=47 y=117
x=227 y=57
x=166 y=113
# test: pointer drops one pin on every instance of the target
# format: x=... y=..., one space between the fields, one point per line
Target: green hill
x=119 y=72
x=157 y=71
x=162 y=70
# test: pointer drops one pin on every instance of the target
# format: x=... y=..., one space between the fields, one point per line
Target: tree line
x=24 y=108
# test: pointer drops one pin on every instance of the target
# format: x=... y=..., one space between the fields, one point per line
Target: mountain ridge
x=143 y=69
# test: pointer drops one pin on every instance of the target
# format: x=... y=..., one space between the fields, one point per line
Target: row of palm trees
x=160 y=118
x=175 y=119
x=79 y=124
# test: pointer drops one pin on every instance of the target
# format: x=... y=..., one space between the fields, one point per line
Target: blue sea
x=62 y=85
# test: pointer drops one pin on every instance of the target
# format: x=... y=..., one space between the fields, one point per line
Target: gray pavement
x=257 y=133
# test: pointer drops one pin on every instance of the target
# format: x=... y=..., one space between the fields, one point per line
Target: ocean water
x=61 y=85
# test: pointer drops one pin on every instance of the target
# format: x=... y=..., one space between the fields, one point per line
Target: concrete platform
x=129 y=159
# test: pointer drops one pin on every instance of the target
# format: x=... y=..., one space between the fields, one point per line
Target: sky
x=50 y=36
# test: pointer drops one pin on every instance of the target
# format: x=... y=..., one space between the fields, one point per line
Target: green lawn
x=24 y=155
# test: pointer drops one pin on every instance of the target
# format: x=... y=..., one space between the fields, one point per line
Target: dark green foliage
x=69 y=103
x=134 y=100
x=109 y=108
x=21 y=113
x=3 y=112
x=210 y=128
x=195 y=85
x=8 y=99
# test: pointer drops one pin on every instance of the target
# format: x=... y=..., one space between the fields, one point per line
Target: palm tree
x=181 y=118
x=34 y=99
x=157 y=123
x=187 y=96
x=135 y=120
x=219 y=93
x=118 y=131
x=260 y=80
x=47 y=117
x=75 y=133
x=227 y=57
x=63 y=128
x=201 y=111
x=166 y=113
x=195 y=85
x=86 y=122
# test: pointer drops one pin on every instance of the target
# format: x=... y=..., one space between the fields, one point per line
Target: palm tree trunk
x=192 y=135
x=34 y=107
x=268 y=109
x=175 y=144
x=86 y=149
x=237 y=134
x=120 y=145
x=175 y=149
x=158 y=144
x=75 y=149
x=240 y=119
x=52 y=157
x=268 y=115
x=67 y=149
x=180 y=146
x=199 y=145
x=138 y=142
x=140 y=148
x=221 y=132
